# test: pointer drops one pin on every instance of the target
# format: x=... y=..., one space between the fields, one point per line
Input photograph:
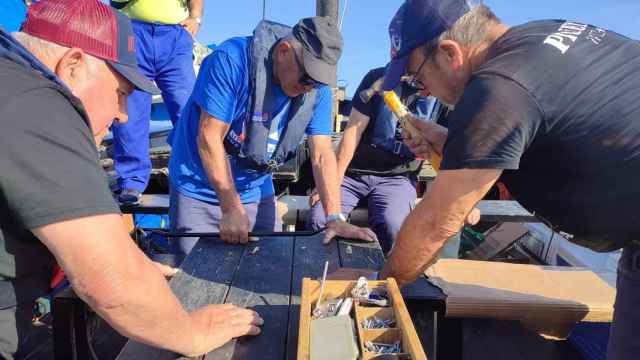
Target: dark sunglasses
x=305 y=79
x=412 y=78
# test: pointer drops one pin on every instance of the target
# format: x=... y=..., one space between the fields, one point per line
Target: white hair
x=49 y=50
x=472 y=29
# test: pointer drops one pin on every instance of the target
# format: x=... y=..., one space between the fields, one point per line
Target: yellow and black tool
x=397 y=107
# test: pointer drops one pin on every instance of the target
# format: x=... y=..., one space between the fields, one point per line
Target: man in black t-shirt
x=551 y=108
x=375 y=164
x=63 y=80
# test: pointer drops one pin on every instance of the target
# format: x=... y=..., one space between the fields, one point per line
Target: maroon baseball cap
x=95 y=28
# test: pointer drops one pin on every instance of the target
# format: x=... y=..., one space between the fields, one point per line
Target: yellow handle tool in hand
x=397 y=107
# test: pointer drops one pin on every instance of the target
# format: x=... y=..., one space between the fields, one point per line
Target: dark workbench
x=268 y=280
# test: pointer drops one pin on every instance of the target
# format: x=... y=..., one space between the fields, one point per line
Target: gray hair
x=50 y=50
x=470 y=30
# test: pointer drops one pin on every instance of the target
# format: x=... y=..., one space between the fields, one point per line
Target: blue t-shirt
x=12 y=14
x=222 y=90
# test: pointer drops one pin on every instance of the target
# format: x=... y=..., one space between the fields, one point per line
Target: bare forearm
x=351 y=137
x=347 y=148
x=112 y=275
x=147 y=311
x=196 y=8
x=217 y=169
x=325 y=175
x=417 y=245
x=439 y=216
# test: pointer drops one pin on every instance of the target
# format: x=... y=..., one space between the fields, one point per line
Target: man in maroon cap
x=63 y=80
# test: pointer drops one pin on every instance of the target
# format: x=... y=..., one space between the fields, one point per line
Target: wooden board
x=360 y=255
x=497 y=239
x=309 y=257
x=505 y=211
x=292 y=209
x=547 y=299
x=270 y=280
x=202 y=280
x=264 y=285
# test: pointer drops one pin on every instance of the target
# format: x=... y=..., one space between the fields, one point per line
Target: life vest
x=386 y=134
x=251 y=146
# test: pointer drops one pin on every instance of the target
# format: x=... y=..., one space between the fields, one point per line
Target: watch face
x=336 y=217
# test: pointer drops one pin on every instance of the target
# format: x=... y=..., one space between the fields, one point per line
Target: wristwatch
x=197 y=19
x=336 y=217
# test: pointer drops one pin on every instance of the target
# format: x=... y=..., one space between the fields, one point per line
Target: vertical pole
x=329 y=8
x=264 y=8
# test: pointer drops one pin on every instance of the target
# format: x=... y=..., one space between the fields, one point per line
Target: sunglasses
x=412 y=78
x=305 y=79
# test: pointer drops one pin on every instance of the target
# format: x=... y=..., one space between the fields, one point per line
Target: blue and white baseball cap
x=416 y=23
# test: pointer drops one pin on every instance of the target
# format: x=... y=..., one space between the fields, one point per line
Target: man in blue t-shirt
x=243 y=116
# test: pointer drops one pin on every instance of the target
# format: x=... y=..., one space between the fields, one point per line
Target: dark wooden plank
x=205 y=276
x=360 y=255
x=422 y=290
x=486 y=339
x=309 y=257
x=149 y=204
x=70 y=326
x=262 y=282
x=505 y=211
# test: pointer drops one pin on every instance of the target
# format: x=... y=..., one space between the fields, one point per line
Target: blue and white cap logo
x=395 y=32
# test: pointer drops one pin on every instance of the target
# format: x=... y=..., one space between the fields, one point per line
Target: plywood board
x=548 y=299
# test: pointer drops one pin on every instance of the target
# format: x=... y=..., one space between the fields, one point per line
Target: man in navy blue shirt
x=551 y=109
x=254 y=100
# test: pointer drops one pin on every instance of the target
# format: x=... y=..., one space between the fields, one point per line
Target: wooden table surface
x=267 y=276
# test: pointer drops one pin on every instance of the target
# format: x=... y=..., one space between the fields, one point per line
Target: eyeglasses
x=412 y=78
x=305 y=79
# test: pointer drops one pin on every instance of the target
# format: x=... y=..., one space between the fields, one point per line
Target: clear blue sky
x=366 y=21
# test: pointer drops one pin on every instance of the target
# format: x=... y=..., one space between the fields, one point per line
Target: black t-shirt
x=49 y=172
x=372 y=160
x=557 y=106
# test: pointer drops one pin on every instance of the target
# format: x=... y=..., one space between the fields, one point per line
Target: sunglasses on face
x=412 y=78
x=305 y=79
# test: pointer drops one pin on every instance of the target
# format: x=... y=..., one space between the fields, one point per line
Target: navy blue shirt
x=556 y=105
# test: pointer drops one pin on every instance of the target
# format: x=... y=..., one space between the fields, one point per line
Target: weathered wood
x=505 y=211
x=360 y=255
x=304 y=323
x=497 y=240
x=409 y=337
x=203 y=279
x=262 y=282
x=293 y=208
x=422 y=290
x=309 y=257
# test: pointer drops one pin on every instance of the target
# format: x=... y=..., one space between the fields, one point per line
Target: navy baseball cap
x=321 y=47
x=95 y=28
x=416 y=23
